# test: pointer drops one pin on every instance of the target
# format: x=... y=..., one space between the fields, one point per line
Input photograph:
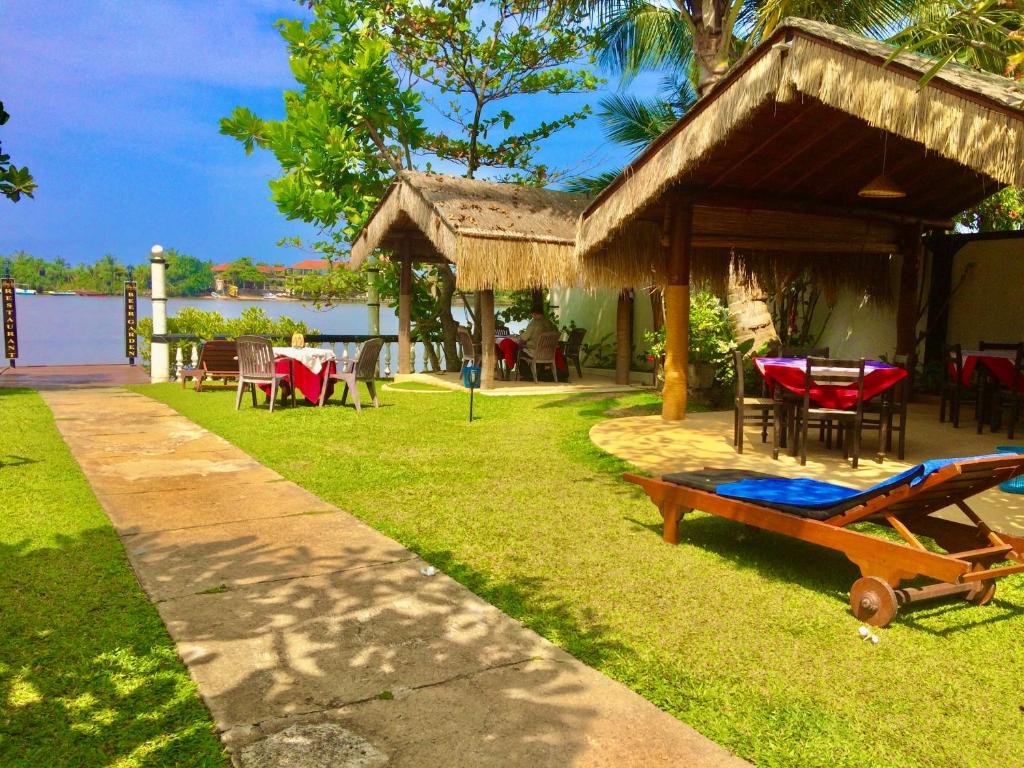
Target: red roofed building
x=310 y=267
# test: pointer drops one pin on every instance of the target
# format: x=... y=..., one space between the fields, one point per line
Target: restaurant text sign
x=9 y=317
x=131 y=320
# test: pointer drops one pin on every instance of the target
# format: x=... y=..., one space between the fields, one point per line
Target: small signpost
x=131 y=321
x=471 y=379
x=10 y=319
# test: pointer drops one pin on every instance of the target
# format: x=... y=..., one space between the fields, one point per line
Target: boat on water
x=25 y=291
x=90 y=293
x=216 y=295
x=61 y=293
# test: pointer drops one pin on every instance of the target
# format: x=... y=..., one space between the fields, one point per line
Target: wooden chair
x=543 y=354
x=501 y=331
x=765 y=411
x=823 y=513
x=1010 y=398
x=572 y=348
x=218 y=359
x=988 y=386
x=824 y=370
x=952 y=392
x=364 y=368
x=887 y=413
x=256 y=367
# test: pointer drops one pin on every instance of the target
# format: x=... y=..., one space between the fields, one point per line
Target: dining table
x=1000 y=363
x=507 y=349
x=308 y=368
x=791 y=372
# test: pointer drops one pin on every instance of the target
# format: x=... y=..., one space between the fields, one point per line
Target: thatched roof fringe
x=708 y=124
x=951 y=124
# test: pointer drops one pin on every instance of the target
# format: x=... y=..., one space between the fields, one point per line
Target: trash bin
x=1016 y=485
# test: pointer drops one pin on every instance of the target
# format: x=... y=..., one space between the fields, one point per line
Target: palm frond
x=642 y=35
x=590 y=185
x=635 y=122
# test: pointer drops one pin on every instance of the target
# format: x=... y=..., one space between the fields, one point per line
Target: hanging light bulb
x=882 y=187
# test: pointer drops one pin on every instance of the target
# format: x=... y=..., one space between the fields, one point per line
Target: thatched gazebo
x=497 y=236
x=816 y=150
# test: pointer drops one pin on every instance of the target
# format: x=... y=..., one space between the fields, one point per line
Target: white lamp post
x=160 y=360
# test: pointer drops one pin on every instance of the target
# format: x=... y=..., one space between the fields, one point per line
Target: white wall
x=989 y=305
x=596 y=311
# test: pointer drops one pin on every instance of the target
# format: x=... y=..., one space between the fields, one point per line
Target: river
x=70 y=330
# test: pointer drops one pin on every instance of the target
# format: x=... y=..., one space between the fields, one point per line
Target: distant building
x=310 y=267
x=273 y=277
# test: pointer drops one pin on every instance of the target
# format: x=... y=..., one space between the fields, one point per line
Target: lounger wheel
x=982 y=593
x=873 y=601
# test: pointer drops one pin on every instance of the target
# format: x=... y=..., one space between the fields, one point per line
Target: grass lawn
x=88 y=674
x=744 y=635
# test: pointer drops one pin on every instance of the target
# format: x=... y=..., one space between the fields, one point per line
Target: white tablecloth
x=313 y=358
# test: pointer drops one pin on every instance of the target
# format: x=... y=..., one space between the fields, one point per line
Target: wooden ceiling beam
x=801 y=149
x=774 y=203
x=770 y=139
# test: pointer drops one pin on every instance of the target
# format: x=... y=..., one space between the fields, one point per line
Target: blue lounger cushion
x=803 y=496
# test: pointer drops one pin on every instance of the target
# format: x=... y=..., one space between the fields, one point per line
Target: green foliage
x=346 y=128
x=88 y=674
x=186 y=275
x=208 y=325
x=711 y=336
x=1003 y=212
x=242 y=271
x=478 y=53
x=14 y=181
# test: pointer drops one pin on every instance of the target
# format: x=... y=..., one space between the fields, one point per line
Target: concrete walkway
x=317 y=641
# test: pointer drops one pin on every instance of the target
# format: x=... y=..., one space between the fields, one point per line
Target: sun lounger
x=821 y=513
x=218 y=359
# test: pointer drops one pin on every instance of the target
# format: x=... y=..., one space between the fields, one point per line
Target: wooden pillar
x=907 y=309
x=677 y=310
x=623 y=336
x=486 y=322
x=405 y=309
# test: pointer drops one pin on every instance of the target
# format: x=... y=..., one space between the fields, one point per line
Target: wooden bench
x=218 y=359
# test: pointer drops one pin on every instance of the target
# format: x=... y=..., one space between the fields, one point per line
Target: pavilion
x=821 y=148
x=496 y=235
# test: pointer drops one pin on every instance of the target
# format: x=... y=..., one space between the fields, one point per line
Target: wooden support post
x=677 y=310
x=405 y=309
x=486 y=322
x=623 y=336
x=906 y=309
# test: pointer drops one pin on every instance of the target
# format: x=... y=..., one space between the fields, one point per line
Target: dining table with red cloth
x=307 y=368
x=1001 y=363
x=508 y=350
x=791 y=372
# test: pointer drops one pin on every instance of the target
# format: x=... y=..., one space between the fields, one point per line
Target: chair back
x=575 y=342
x=954 y=367
x=737 y=364
x=803 y=351
x=368 y=360
x=466 y=342
x=835 y=372
x=255 y=357
x=904 y=387
x=501 y=331
x=219 y=355
x=547 y=343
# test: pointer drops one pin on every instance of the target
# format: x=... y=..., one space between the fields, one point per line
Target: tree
x=242 y=271
x=14 y=181
x=186 y=275
x=364 y=70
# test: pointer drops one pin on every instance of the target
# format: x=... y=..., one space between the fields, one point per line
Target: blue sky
x=115 y=108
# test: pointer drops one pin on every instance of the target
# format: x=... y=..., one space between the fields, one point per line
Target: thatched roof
x=773 y=157
x=497 y=235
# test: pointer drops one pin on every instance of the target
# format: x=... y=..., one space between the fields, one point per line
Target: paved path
x=313 y=636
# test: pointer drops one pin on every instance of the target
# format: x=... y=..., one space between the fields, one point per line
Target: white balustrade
x=195 y=356
x=179 y=365
x=387 y=359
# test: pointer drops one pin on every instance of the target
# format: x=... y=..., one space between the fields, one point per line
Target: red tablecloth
x=508 y=349
x=1002 y=366
x=790 y=372
x=307 y=383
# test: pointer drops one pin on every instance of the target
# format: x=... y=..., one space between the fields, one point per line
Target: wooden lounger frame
x=218 y=359
x=965 y=569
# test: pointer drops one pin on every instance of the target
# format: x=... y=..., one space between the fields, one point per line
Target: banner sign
x=9 y=317
x=131 y=320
